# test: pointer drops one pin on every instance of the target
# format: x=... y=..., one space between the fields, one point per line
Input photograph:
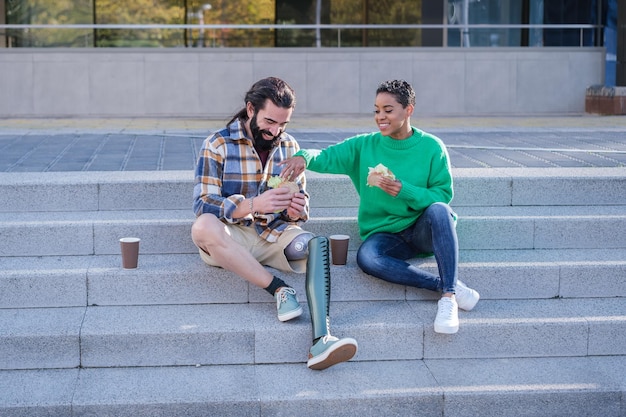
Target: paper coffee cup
x=339 y=248
x=130 y=252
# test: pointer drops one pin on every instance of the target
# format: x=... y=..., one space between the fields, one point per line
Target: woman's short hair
x=400 y=89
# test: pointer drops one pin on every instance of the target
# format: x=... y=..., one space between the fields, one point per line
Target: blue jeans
x=384 y=255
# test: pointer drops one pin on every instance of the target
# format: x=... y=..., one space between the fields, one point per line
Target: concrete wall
x=211 y=82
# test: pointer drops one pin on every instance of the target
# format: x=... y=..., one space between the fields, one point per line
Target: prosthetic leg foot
x=327 y=350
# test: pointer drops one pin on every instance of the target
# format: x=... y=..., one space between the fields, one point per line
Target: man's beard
x=257 y=135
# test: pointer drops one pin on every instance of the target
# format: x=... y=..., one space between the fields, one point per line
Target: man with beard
x=242 y=224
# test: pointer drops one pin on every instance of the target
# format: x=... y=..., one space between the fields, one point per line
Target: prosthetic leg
x=327 y=350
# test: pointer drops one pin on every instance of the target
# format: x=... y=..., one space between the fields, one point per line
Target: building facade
x=176 y=58
x=557 y=15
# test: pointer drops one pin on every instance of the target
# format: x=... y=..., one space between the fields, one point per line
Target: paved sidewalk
x=118 y=144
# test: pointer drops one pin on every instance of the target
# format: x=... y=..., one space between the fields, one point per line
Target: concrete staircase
x=79 y=336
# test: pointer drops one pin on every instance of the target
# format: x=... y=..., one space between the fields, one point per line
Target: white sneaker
x=447 y=320
x=466 y=297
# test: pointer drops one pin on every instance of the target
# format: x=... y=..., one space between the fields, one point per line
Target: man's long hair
x=273 y=88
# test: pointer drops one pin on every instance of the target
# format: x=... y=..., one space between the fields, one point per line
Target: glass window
x=299 y=12
x=139 y=12
x=534 y=12
x=568 y=12
x=377 y=12
x=357 y=12
x=458 y=14
x=462 y=12
x=49 y=12
x=234 y=13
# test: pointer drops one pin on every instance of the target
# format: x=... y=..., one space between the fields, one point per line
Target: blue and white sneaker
x=287 y=304
x=329 y=351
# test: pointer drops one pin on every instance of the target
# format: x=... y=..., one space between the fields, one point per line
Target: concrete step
x=217 y=334
x=78 y=281
x=168 y=231
x=164 y=190
x=81 y=336
x=530 y=387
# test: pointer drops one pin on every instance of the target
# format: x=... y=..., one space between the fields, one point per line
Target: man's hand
x=273 y=200
x=292 y=167
x=296 y=207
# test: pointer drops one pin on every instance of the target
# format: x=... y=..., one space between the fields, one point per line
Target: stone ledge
x=605 y=100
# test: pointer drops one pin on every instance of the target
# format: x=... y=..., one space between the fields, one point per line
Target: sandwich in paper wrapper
x=277 y=182
x=377 y=173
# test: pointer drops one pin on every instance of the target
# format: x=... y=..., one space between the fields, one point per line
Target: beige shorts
x=269 y=254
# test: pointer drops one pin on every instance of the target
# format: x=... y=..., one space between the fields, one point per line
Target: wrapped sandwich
x=377 y=173
x=277 y=182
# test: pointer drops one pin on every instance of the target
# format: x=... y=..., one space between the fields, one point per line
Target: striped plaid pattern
x=229 y=170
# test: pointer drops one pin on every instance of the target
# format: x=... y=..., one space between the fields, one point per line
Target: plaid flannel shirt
x=229 y=170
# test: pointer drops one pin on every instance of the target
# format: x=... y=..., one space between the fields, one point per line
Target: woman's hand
x=391 y=187
x=292 y=167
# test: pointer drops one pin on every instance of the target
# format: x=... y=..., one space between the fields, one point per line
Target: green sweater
x=420 y=162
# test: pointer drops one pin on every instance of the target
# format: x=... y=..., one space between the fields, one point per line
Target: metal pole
x=318 y=21
x=598 y=22
x=95 y=20
x=620 y=75
x=201 y=33
x=4 y=38
x=582 y=38
x=466 y=38
x=365 y=20
x=444 y=20
x=205 y=7
x=186 y=20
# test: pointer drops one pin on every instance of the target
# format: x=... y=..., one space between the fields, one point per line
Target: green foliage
x=139 y=12
x=50 y=12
